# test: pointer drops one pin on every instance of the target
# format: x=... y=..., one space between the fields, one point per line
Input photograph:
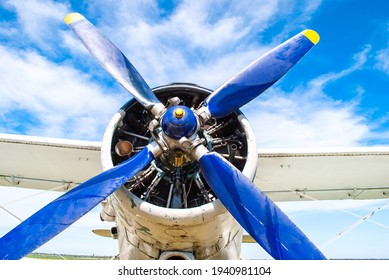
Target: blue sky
x=337 y=96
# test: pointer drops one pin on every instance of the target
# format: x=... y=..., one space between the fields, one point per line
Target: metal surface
x=47 y=163
x=324 y=174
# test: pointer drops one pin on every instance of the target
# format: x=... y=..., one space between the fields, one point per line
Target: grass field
x=42 y=256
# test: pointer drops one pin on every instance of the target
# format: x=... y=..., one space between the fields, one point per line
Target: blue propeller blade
x=112 y=60
x=65 y=210
x=259 y=75
x=255 y=212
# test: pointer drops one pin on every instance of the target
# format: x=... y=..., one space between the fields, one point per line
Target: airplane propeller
x=259 y=75
x=254 y=211
x=114 y=61
x=59 y=214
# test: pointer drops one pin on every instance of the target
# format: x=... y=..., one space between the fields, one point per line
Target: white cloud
x=65 y=102
x=196 y=37
x=38 y=21
x=7 y=29
x=359 y=60
x=196 y=42
x=308 y=117
x=383 y=60
x=288 y=121
x=382 y=57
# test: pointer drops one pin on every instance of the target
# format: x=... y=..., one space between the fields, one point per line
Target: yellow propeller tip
x=70 y=18
x=312 y=35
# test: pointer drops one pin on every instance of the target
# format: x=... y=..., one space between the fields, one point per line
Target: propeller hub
x=178 y=122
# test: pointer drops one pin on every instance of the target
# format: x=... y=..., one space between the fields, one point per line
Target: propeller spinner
x=178 y=122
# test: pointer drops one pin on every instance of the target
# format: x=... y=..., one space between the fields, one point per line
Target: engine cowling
x=167 y=205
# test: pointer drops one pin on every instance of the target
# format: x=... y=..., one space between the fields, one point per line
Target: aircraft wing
x=47 y=163
x=284 y=174
x=324 y=174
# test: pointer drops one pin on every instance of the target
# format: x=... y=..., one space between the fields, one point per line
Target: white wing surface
x=323 y=174
x=47 y=163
